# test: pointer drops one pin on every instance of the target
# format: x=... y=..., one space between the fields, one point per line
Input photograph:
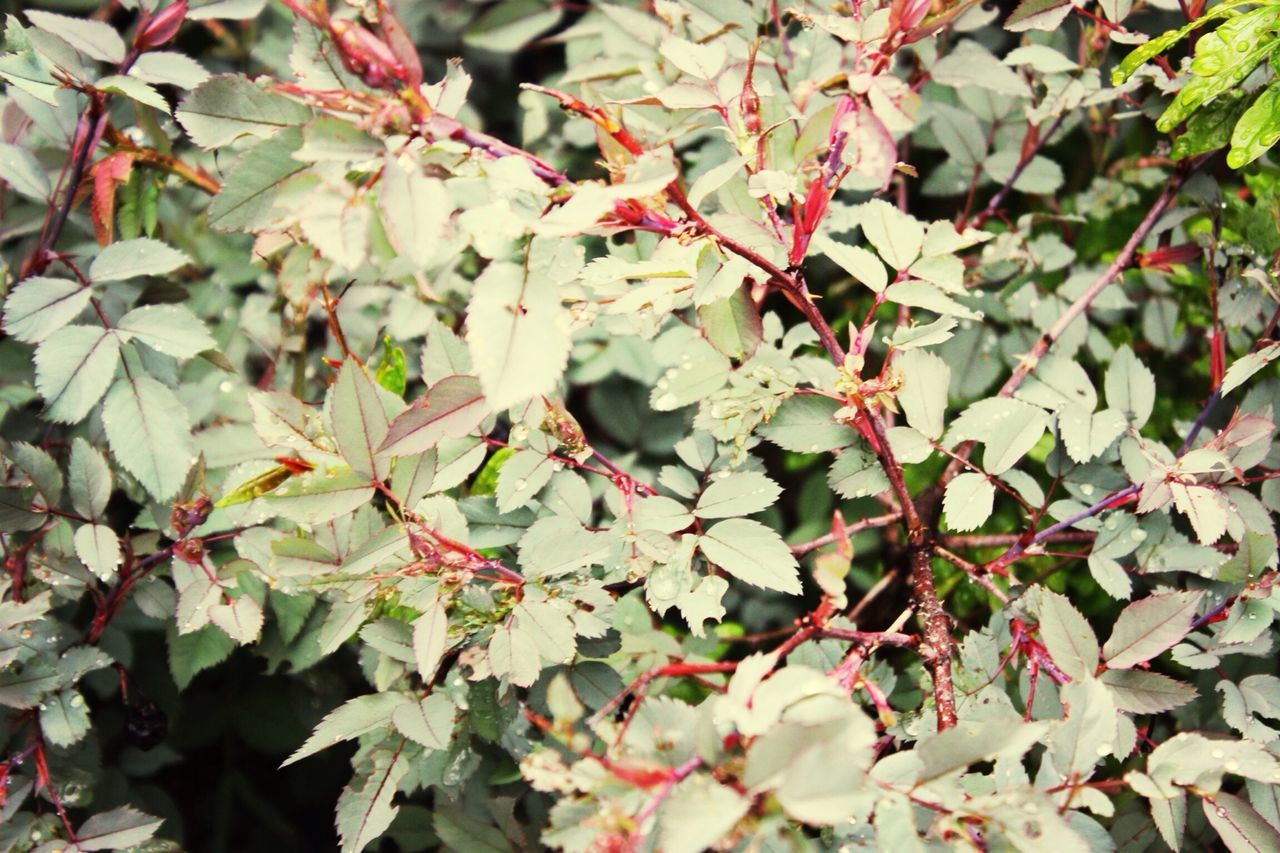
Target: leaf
x=702 y=371
x=1130 y=387
x=517 y=334
x=117 y=829
x=414 y=210
x=1239 y=826
x=897 y=236
x=1045 y=15
x=701 y=61
x=1148 y=627
x=98 y=548
x=241 y=620
x=94 y=39
x=40 y=306
x=753 y=553
x=1086 y=434
x=452 y=408
x=166 y=68
x=74 y=366
x=365 y=812
x=429 y=722
x=20 y=169
x=548 y=628
x=149 y=433
x=1204 y=506
x=856 y=473
x=228 y=106
x=856 y=261
x=248 y=192
x=805 y=424
x=127 y=259
x=1067 y=635
x=88 y=479
x=1257 y=130
x=1246 y=366
x=699 y=812
x=732 y=325
x=555 y=545
x=522 y=476
x=430 y=639
x=1140 y=692
x=351 y=719
x=359 y=422
x=968 y=501
x=64 y=718
x=1008 y=428
x=196 y=651
x=923 y=393
x=170 y=329
x=507 y=27
x=509 y=655
x=740 y=493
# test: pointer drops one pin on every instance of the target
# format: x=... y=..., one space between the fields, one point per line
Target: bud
x=188 y=515
x=365 y=54
x=161 y=28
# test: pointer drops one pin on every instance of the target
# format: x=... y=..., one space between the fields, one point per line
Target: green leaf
x=1257 y=130
x=134 y=89
x=1086 y=434
x=359 y=422
x=923 y=393
x=74 y=366
x=1140 y=692
x=897 y=236
x=517 y=333
x=805 y=424
x=40 y=306
x=1239 y=826
x=1211 y=126
x=509 y=26
x=1130 y=387
x=392 y=372
x=118 y=829
x=98 y=548
x=241 y=619
x=1008 y=428
x=351 y=719
x=320 y=495
x=196 y=651
x=548 y=628
x=739 y=493
x=556 y=545
x=166 y=68
x=702 y=371
x=365 y=812
x=414 y=209
x=95 y=39
x=430 y=639
x=149 y=433
x=1045 y=15
x=1204 y=506
x=1224 y=58
x=228 y=106
x=699 y=812
x=248 y=193
x=509 y=655
x=20 y=169
x=88 y=479
x=1246 y=366
x=856 y=261
x=127 y=259
x=1066 y=635
x=1163 y=42
x=1148 y=627
x=753 y=553
x=968 y=501
x=170 y=329
x=733 y=325
x=64 y=718
x=453 y=407
x=856 y=473
x=429 y=722
x=521 y=477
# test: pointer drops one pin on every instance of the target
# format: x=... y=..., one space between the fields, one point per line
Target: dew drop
x=1231 y=766
x=1218 y=754
x=1137 y=534
x=520 y=485
x=1086 y=489
x=1103 y=749
x=1220 y=811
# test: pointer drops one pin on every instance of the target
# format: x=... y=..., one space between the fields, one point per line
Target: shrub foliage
x=773 y=426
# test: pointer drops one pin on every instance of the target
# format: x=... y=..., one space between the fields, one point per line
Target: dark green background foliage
x=816 y=427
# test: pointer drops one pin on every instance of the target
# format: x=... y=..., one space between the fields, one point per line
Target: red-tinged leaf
x=109 y=173
x=452 y=408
